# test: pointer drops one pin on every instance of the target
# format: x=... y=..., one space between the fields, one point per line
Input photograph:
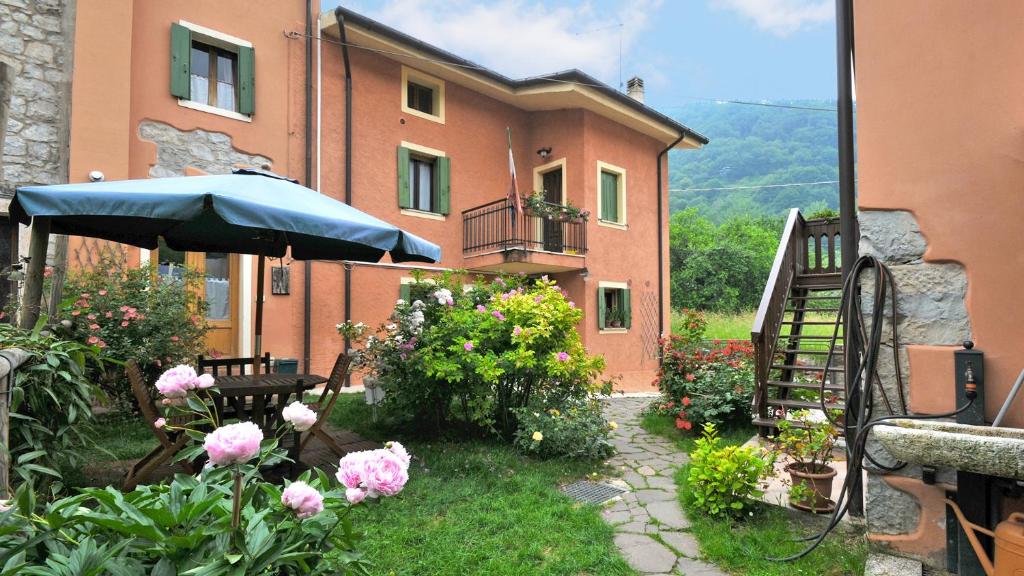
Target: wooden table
x=260 y=398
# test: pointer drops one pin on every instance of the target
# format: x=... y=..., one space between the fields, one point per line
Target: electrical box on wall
x=279 y=280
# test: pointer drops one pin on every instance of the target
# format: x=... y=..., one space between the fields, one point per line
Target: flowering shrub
x=226 y=520
x=134 y=315
x=477 y=355
x=706 y=385
x=578 y=431
x=723 y=481
x=689 y=327
x=51 y=401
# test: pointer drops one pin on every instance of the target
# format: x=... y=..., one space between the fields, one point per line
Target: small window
x=611 y=195
x=614 y=308
x=214 y=77
x=422 y=95
x=420 y=98
x=423 y=181
x=211 y=71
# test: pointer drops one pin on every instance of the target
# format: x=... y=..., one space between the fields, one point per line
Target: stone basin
x=980 y=449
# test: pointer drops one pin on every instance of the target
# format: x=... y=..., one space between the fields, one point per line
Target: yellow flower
x=537 y=436
x=554 y=412
x=612 y=425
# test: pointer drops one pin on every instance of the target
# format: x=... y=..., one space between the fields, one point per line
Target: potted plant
x=809 y=443
x=535 y=205
x=615 y=318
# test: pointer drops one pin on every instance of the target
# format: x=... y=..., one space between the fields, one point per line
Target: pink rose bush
x=299 y=415
x=233 y=443
x=305 y=500
x=374 y=473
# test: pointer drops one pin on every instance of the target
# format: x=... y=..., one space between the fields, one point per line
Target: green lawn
x=476 y=507
x=726 y=326
x=743 y=546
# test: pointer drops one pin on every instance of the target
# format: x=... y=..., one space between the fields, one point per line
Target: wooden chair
x=325 y=404
x=170 y=442
x=231 y=366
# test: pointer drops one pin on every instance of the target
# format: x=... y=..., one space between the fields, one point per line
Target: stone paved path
x=650 y=526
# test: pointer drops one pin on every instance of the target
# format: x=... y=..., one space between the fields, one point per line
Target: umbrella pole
x=32 y=296
x=258 y=340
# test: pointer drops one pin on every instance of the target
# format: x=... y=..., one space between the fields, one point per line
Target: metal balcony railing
x=497 y=226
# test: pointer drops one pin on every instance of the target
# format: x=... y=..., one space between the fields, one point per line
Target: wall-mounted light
x=96 y=176
x=544 y=153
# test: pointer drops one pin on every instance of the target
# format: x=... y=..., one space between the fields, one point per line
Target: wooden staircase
x=794 y=330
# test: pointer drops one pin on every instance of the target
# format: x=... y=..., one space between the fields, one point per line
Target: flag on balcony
x=513 y=191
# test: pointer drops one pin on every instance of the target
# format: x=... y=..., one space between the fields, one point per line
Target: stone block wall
x=904 y=515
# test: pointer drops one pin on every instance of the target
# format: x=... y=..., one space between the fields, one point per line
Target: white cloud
x=520 y=38
x=781 y=17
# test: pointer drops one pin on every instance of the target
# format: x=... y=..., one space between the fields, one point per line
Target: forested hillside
x=754 y=145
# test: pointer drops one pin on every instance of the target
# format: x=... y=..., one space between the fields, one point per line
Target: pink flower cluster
x=233 y=444
x=300 y=416
x=305 y=500
x=177 y=382
x=373 y=473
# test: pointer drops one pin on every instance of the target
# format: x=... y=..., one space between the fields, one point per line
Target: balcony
x=497 y=238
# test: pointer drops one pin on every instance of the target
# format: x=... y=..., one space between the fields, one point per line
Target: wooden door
x=219 y=290
x=552 y=182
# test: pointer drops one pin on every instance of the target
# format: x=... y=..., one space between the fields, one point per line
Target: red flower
x=670 y=405
x=683 y=424
x=686 y=401
x=690 y=377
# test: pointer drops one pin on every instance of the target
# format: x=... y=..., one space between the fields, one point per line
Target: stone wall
x=211 y=152
x=36 y=48
x=931 y=310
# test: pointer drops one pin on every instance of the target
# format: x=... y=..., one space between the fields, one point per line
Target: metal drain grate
x=591 y=492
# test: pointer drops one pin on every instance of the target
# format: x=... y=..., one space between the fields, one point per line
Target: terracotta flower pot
x=819 y=481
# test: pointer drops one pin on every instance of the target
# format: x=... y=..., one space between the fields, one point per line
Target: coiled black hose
x=861 y=384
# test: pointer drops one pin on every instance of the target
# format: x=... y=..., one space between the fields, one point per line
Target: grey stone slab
x=691 y=567
x=645 y=554
x=614 y=517
x=887 y=565
x=646 y=470
x=682 y=542
x=662 y=482
x=652 y=495
x=668 y=514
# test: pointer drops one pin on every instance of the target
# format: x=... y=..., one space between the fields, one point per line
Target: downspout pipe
x=339 y=14
x=661 y=239
x=848 y=219
x=307 y=283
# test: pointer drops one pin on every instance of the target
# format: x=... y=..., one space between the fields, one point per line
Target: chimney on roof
x=635 y=88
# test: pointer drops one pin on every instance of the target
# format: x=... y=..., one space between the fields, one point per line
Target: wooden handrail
x=768 y=321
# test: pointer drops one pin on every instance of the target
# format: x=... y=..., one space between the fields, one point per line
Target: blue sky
x=684 y=49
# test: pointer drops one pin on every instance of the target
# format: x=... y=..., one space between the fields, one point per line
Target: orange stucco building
x=939 y=118
x=189 y=87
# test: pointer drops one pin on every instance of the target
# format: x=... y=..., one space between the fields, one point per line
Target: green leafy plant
x=134 y=314
x=575 y=431
x=808 y=441
x=536 y=205
x=724 y=480
x=50 y=403
x=700 y=385
x=452 y=357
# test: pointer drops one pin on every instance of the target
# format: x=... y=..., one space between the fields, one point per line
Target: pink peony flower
x=76 y=312
x=400 y=451
x=305 y=500
x=92 y=340
x=562 y=356
x=300 y=416
x=355 y=495
x=468 y=346
x=109 y=315
x=94 y=326
x=160 y=422
x=374 y=473
x=91 y=316
x=176 y=382
x=124 y=324
x=233 y=444
x=101 y=344
x=205 y=381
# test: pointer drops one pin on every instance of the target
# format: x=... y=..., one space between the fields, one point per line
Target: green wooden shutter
x=600 y=309
x=181 y=63
x=405 y=292
x=442 y=176
x=246 y=80
x=404 y=191
x=609 y=197
x=627 y=309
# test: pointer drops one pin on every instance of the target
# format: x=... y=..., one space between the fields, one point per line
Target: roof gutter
x=661 y=238
x=339 y=14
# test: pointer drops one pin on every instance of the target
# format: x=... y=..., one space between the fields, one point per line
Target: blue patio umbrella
x=247 y=212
